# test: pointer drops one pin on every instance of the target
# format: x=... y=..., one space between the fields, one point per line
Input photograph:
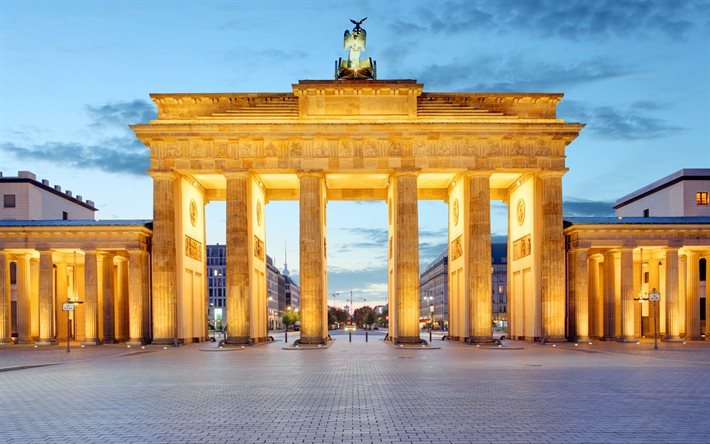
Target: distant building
x=216 y=285
x=26 y=198
x=274 y=293
x=292 y=292
x=684 y=193
x=434 y=289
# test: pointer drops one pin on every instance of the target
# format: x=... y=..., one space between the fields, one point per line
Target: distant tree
x=370 y=318
x=362 y=315
x=341 y=316
x=289 y=318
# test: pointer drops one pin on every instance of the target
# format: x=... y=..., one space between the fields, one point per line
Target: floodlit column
x=121 y=299
x=581 y=293
x=707 y=298
x=46 y=299
x=107 y=309
x=313 y=257
x=164 y=258
x=692 y=330
x=479 y=256
x=238 y=297
x=91 y=298
x=146 y=296
x=553 y=258
x=627 y=295
x=609 y=296
x=136 y=259
x=24 y=303
x=595 y=297
x=5 y=302
x=406 y=259
x=672 y=296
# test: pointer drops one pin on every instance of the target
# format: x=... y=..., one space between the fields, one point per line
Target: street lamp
x=655 y=298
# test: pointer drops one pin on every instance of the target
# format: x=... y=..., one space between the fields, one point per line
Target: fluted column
x=627 y=295
x=237 y=268
x=46 y=299
x=312 y=207
x=24 y=303
x=609 y=296
x=136 y=259
x=692 y=330
x=479 y=256
x=107 y=308
x=406 y=260
x=164 y=258
x=553 y=258
x=580 y=271
x=91 y=298
x=5 y=302
x=121 y=300
x=146 y=296
x=672 y=297
x=595 y=299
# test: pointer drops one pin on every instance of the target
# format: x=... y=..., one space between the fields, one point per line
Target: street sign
x=68 y=306
x=654 y=297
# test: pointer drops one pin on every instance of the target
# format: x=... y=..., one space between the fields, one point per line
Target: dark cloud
x=572 y=20
x=115 y=155
x=625 y=123
x=515 y=73
x=121 y=114
x=116 y=150
x=573 y=207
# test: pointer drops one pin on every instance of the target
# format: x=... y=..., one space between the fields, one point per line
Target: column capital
x=400 y=172
x=627 y=248
x=310 y=173
x=478 y=173
x=551 y=173
x=163 y=174
x=671 y=248
x=236 y=174
x=693 y=254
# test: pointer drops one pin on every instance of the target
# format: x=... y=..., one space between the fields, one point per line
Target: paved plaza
x=358 y=392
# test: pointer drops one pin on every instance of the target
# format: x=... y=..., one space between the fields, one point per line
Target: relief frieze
x=259 y=248
x=522 y=247
x=456 y=248
x=193 y=248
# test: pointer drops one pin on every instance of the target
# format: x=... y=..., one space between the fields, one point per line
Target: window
x=702 y=265
x=646 y=212
x=9 y=200
x=65 y=215
x=701 y=198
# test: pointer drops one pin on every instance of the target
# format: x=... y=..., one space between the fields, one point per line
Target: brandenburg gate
x=359 y=140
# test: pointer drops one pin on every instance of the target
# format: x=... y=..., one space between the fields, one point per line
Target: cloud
x=571 y=20
x=121 y=114
x=116 y=150
x=621 y=123
x=573 y=207
x=516 y=73
x=115 y=155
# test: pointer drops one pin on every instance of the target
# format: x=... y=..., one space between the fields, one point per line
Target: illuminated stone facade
x=359 y=140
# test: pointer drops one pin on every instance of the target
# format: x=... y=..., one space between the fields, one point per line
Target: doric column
x=672 y=297
x=479 y=255
x=627 y=295
x=136 y=259
x=609 y=296
x=107 y=309
x=580 y=271
x=121 y=299
x=164 y=258
x=145 y=294
x=91 y=298
x=237 y=268
x=24 y=303
x=595 y=299
x=312 y=203
x=5 y=301
x=406 y=259
x=60 y=297
x=553 y=258
x=46 y=299
x=692 y=330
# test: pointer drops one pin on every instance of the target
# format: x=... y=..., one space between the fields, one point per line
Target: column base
x=583 y=339
x=479 y=340
x=312 y=340
x=608 y=338
x=6 y=341
x=166 y=341
x=696 y=338
x=408 y=340
x=238 y=340
x=555 y=338
x=672 y=339
x=91 y=342
x=46 y=341
x=627 y=340
x=134 y=342
x=110 y=341
x=25 y=341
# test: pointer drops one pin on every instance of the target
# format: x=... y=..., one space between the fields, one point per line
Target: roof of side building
x=680 y=175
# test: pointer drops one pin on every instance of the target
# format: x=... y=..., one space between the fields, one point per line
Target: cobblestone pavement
x=364 y=392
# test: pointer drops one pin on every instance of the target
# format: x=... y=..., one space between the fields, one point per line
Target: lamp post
x=288 y=308
x=654 y=298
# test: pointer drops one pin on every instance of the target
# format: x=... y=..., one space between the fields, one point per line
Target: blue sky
x=73 y=75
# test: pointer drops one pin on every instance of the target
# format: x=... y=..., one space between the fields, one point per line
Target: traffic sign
x=68 y=306
x=654 y=297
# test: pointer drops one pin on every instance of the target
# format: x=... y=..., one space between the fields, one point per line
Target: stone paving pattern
x=360 y=392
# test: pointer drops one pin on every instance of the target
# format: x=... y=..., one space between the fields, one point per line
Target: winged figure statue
x=354 y=67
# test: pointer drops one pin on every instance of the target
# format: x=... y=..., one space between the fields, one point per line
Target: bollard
x=286 y=336
x=350 y=336
x=430 y=335
x=365 y=336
